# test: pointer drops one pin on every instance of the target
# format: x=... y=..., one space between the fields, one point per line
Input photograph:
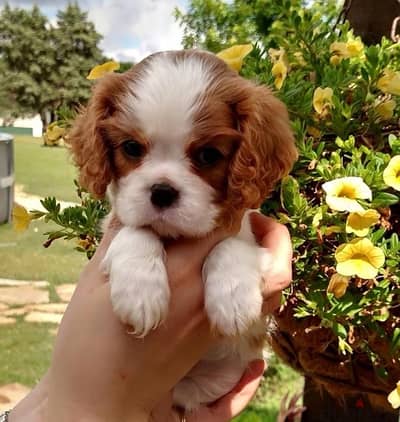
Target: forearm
x=35 y=407
x=32 y=407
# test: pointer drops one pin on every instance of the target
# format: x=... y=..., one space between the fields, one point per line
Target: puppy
x=184 y=145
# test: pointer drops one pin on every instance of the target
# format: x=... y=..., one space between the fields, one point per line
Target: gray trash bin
x=6 y=176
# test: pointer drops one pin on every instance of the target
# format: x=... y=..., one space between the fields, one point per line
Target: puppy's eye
x=133 y=149
x=207 y=156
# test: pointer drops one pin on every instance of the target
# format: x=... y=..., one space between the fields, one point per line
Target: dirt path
x=32 y=202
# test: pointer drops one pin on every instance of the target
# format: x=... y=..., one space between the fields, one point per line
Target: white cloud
x=131 y=29
x=136 y=29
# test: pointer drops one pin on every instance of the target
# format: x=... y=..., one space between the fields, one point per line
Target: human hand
x=95 y=374
x=101 y=373
x=224 y=409
x=276 y=238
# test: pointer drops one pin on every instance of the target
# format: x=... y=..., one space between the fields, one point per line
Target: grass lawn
x=44 y=171
x=24 y=258
x=25 y=351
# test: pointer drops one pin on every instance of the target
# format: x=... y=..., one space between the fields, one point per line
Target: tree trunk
x=322 y=407
x=371 y=19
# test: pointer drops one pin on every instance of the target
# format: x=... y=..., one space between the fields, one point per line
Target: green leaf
x=384 y=199
x=395 y=342
x=339 y=330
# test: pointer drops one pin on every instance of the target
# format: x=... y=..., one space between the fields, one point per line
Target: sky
x=131 y=29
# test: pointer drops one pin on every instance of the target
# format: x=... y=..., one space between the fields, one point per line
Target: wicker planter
x=337 y=387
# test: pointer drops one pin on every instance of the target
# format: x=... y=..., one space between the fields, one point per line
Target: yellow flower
x=322 y=100
x=359 y=257
x=300 y=58
x=342 y=193
x=385 y=109
x=313 y=131
x=359 y=222
x=20 y=218
x=102 y=69
x=339 y=49
x=279 y=71
x=391 y=174
x=331 y=229
x=394 y=397
x=389 y=83
x=234 y=55
x=345 y=50
x=54 y=132
x=276 y=55
x=338 y=285
x=354 y=48
x=335 y=60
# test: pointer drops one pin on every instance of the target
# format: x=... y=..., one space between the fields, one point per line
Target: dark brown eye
x=207 y=156
x=133 y=149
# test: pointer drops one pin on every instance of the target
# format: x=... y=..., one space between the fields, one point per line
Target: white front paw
x=233 y=276
x=139 y=284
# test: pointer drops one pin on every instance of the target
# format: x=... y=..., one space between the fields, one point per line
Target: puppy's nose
x=163 y=195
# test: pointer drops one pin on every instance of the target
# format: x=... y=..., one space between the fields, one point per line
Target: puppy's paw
x=233 y=276
x=139 y=285
x=140 y=294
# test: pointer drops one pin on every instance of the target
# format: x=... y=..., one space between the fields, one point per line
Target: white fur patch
x=166 y=97
x=192 y=215
x=139 y=285
x=233 y=274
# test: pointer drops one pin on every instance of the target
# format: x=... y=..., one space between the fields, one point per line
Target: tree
x=43 y=68
x=216 y=24
x=27 y=55
x=370 y=19
x=76 y=52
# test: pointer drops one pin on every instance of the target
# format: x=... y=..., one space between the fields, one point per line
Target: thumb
x=234 y=402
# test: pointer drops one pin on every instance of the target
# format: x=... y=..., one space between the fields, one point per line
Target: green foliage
x=80 y=222
x=215 y=24
x=350 y=137
x=76 y=52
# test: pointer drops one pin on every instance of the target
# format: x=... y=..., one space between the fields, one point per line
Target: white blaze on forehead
x=167 y=95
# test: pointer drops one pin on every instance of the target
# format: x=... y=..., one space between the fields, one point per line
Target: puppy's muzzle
x=163 y=195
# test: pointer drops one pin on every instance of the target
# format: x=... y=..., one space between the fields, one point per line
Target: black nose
x=163 y=195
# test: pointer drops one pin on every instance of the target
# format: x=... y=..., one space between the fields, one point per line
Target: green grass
x=44 y=171
x=24 y=258
x=279 y=380
x=25 y=351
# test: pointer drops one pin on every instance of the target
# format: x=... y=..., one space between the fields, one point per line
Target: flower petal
x=394 y=397
x=359 y=222
x=20 y=218
x=391 y=174
x=102 y=69
x=343 y=204
x=233 y=56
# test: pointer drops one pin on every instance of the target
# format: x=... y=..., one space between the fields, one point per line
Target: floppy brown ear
x=91 y=152
x=267 y=151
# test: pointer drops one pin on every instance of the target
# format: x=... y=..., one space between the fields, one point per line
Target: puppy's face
x=183 y=143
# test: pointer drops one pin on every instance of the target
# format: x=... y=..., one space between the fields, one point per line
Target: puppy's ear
x=91 y=152
x=267 y=151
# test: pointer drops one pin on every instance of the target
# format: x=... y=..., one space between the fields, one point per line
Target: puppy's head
x=183 y=143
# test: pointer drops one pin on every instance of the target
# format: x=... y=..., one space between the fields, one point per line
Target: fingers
x=276 y=238
x=234 y=402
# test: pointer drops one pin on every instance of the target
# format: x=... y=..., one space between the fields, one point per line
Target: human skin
x=101 y=373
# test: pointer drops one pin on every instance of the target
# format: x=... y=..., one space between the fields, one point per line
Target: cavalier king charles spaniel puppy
x=183 y=145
